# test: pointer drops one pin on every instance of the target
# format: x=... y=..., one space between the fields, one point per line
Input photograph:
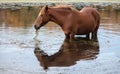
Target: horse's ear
x=46 y=8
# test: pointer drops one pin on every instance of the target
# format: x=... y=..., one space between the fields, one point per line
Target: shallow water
x=49 y=53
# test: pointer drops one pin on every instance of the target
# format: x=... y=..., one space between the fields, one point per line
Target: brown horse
x=72 y=21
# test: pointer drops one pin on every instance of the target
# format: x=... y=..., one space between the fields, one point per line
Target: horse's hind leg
x=94 y=36
x=94 y=33
x=97 y=23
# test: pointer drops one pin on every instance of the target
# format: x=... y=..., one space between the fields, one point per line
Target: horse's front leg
x=67 y=33
x=69 y=36
x=72 y=36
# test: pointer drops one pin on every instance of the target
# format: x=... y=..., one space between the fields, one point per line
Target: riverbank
x=78 y=5
x=59 y=1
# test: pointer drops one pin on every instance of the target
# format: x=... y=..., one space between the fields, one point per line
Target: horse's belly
x=82 y=33
x=84 y=30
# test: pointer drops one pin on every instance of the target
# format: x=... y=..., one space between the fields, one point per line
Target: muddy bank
x=78 y=5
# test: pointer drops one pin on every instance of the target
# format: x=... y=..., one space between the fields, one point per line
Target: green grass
x=59 y=0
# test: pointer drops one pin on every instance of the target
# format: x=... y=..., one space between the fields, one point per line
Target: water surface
x=50 y=52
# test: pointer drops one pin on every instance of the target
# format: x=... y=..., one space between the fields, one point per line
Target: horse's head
x=42 y=18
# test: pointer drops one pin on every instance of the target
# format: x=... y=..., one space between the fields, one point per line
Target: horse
x=72 y=21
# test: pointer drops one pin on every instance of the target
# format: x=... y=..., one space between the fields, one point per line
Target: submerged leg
x=94 y=36
x=72 y=36
x=67 y=36
x=88 y=36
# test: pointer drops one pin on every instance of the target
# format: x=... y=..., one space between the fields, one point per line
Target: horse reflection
x=68 y=54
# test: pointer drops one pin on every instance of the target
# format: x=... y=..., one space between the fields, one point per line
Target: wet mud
x=23 y=51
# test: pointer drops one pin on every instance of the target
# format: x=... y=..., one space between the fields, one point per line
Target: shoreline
x=60 y=1
x=78 y=5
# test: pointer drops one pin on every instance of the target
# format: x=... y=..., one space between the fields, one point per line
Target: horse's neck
x=58 y=16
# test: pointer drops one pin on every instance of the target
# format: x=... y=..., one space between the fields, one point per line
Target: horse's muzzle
x=36 y=27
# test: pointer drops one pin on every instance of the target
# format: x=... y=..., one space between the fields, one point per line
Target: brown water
x=49 y=53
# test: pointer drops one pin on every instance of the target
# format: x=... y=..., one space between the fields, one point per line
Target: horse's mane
x=66 y=7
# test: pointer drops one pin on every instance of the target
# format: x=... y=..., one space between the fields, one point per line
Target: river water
x=49 y=52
